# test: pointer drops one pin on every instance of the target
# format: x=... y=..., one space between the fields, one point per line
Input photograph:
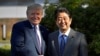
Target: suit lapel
x=42 y=46
x=34 y=38
x=56 y=42
x=30 y=30
x=43 y=42
x=69 y=40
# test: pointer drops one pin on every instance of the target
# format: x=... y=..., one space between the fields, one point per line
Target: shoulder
x=21 y=24
x=43 y=28
x=54 y=33
x=77 y=33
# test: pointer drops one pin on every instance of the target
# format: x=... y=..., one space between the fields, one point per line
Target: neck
x=63 y=31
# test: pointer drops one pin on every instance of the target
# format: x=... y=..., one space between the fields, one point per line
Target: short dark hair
x=61 y=9
x=34 y=6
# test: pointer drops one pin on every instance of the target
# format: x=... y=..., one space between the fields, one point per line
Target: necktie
x=37 y=37
x=62 y=44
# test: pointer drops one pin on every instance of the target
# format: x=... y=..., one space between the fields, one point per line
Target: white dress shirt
x=60 y=34
x=39 y=33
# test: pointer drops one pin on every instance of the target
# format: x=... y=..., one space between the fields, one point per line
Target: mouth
x=34 y=19
x=62 y=24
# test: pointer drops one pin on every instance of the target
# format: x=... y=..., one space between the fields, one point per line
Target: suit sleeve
x=17 y=41
x=83 y=47
x=49 y=49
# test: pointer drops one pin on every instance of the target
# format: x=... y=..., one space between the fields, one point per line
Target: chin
x=63 y=27
x=35 y=23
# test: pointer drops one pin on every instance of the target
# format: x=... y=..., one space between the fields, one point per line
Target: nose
x=35 y=15
x=62 y=21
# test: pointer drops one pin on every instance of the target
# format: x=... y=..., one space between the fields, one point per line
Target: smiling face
x=63 y=21
x=35 y=16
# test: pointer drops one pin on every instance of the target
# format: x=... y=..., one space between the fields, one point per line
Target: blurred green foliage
x=5 y=50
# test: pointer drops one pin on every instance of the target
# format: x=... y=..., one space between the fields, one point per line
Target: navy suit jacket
x=76 y=44
x=23 y=42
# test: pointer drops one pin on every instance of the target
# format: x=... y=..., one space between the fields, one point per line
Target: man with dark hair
x=66 y=41
x=29 y=37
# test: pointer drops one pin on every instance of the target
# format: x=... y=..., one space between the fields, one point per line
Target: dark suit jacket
x=76 y=44
x=23 y=42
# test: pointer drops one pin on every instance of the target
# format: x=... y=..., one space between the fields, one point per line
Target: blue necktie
x=62 y=44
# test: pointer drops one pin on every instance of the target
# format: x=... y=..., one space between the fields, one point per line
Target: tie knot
x=63 y=35
x=35 y=27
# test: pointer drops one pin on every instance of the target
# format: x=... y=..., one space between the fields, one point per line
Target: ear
x=70 y=20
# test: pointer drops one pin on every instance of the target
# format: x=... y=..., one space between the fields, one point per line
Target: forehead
x=35 y=11
x=63 y=14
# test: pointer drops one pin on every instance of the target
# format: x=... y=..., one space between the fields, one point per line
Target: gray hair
x=35 y=7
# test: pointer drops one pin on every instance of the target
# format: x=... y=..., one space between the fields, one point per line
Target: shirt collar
x=66 y=33
x=36 y=26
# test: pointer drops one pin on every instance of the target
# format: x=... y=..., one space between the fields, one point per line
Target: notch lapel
x=55 y=42
x=43 y=46
x=69 y=41
x=29 y=30
x=32 y=33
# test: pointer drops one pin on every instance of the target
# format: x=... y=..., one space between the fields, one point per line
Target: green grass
x=5 y=48
x=4 y=41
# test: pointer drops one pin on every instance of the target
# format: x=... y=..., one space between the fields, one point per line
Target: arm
x=83 y=47
x=49 y=49
x=17 y=41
